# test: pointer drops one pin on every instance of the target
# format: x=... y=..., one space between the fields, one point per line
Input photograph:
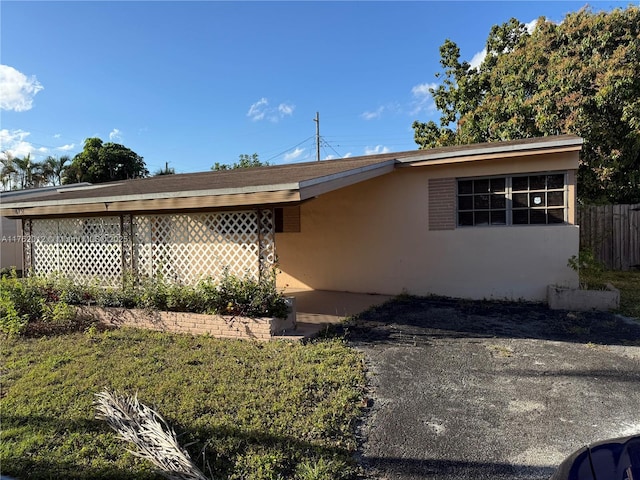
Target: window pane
x=497 y=184
x=537 y=200
x=520 y=200
x=481 y=186
x=537 y=182
x=480 y=201
x=465 y=219
x=498 y=201
x=538 y=217
x=555 y=181
x=555 y=199
x=520 y=217
x=520 y=183
x=465 y=186
x=498 y=217
x=556 y=215
x=465 y=202
x=481 y=218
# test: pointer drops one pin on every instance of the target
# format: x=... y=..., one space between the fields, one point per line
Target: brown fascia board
x=494 y=150
x=284 y=193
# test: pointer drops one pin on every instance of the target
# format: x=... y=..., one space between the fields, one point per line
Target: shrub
x=51 y=298
x=587 y=267
x=59 y=313
x=11 y=322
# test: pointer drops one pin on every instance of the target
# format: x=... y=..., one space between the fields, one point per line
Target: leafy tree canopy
x=581 y=76
x=105 y=162
x=245 y=161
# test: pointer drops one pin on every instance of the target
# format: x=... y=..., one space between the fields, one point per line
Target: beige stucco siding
x=10 y=243
x=374 y=237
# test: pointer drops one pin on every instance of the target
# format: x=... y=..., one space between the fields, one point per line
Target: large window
x=512 y=200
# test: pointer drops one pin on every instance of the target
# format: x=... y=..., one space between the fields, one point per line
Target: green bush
x=51 y=298
x=11 y=322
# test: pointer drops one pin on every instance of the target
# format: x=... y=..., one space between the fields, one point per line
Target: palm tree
x=8 y=172
x=54 y=169
x=29 y=173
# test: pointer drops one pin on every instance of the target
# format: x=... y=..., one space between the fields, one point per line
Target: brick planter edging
x=219 y=326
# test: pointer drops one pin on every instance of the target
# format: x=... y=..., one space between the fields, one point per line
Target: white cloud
x=17 y=90
x=57 y=135
x=286 y=110
x=257 y=110
x=261 y=110
x=422 y=90
x=422 y=98
x=376 y=150
x=478 y=58
x=14 y=143
x=115 y=134
x=294 y=155
x=66 y=148
x=531 y=26
x=373 y=115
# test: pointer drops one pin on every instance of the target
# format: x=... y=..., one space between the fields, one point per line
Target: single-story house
x=11 y=237
x=492 y=220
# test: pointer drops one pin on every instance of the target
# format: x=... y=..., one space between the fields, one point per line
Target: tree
x=29 y=174
x=165 y=171
x=105 y=162
x=245 y=161
x=581 y=76
x=55 y=168
x=8 y=172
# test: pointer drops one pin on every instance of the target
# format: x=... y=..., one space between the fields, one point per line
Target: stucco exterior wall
x=10 y=243
x=374 y=237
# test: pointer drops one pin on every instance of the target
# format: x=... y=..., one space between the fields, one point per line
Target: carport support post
x=127 y=247
x=259 y=220
x=27 y=246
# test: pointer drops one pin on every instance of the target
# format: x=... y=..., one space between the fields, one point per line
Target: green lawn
x=629 y=285
x=249 y=410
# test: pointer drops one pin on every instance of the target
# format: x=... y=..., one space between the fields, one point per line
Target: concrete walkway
x=315 y=309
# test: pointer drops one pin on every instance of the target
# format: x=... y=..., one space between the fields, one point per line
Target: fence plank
x=612 y=232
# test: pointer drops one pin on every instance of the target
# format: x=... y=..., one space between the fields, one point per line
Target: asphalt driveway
x=484 y=390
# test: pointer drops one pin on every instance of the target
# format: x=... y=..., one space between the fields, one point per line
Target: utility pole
x=317 y=120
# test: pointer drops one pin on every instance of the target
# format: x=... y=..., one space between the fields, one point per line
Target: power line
x=290 y=148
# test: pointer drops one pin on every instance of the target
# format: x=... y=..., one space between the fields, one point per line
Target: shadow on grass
x=435 y=468
x=420 y=320
x=219 y=452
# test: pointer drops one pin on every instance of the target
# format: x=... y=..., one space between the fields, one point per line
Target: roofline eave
x=563 y=144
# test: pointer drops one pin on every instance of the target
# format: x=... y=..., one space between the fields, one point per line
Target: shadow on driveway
x=491 y=390
x=420 y=319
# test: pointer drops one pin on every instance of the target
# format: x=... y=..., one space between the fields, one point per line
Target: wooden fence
x=612 y=232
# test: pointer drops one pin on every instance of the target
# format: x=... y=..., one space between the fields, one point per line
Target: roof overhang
x=259 y=195
x=493 y=151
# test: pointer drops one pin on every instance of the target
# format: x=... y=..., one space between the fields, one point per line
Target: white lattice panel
x=182 y=248
x=186 y=248
x=82 y=249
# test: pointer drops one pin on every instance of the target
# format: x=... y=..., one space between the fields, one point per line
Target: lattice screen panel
x=183 y=248
x=82 y=249
x=186 y=248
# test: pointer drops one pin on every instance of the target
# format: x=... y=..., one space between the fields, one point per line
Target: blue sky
x=194 y=83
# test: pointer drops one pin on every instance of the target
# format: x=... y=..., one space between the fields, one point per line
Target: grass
x=246 y=410
x=629 y=285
